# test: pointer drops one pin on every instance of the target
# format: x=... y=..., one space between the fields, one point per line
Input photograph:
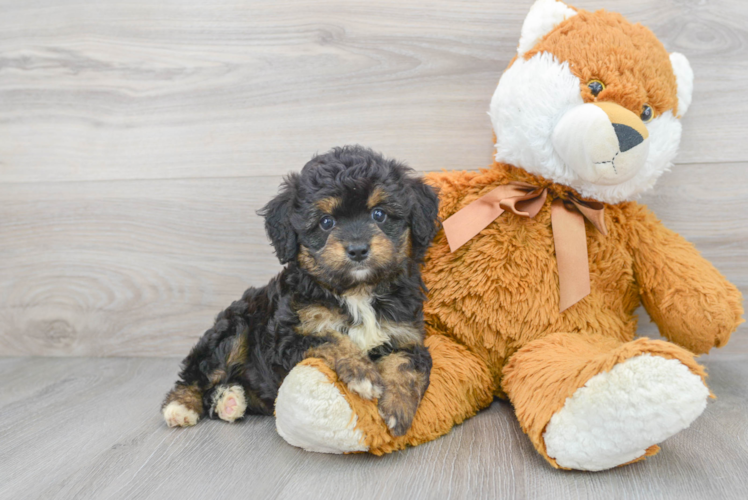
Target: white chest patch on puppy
x=365 y=331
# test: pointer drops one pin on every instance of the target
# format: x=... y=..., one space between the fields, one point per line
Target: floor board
x=90 y=428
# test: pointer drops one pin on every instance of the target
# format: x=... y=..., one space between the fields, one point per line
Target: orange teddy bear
x=537 y=304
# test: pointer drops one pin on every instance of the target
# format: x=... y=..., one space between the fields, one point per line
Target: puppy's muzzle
x=603 y=143
x=357 y=252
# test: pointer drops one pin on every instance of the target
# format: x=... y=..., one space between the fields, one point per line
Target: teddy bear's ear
x=684 y=81
x=544 y=15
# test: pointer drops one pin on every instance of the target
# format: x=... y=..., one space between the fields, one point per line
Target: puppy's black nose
x=357 y=251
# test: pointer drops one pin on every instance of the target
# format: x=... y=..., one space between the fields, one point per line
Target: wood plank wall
x=137 y=140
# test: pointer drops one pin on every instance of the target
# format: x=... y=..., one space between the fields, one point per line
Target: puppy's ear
x=424 y=222
x=277 y=214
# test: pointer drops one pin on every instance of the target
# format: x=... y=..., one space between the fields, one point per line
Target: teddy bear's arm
x=691 y=302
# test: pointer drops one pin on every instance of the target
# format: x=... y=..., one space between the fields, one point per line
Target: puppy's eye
x=378 y=215
x=326 y=223
x=596 y=86
x=647 y=113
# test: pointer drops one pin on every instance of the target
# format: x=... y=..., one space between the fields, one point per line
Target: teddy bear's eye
x=647 y=113
x=326 y=223
x=596 y=86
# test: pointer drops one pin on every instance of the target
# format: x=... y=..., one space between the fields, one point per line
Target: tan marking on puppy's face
x=376 y=197
x=307 y=261
x=328 y=205
x=381 y=250
x=333 y=255
x=405 y=247
x=324 y=250
x=320 y=319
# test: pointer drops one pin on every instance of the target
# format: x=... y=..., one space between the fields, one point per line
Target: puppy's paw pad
x=229 y=406
x=178 y=415
x=230 y=403
x=365 y=388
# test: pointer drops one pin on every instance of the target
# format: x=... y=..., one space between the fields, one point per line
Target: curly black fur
x=258 y=339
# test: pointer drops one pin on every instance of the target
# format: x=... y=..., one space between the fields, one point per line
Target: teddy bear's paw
x=361 y=376
x=229 y=402
x=619 y=414
x=177 y=415
x=312 y=414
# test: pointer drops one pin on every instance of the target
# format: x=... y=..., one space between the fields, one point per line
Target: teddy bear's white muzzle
x=603 y=143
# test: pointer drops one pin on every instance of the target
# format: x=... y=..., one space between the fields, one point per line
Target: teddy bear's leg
x=590 y=402
x=317 y=412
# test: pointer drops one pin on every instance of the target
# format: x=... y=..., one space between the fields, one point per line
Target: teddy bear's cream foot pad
x=178 y=415
x=311 y=413
x=230 y=403
x=618 y=414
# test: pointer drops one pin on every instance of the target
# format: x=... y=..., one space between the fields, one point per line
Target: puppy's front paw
x=229 y=403
x=178 y=415
x=397 y=410
x=361 y=376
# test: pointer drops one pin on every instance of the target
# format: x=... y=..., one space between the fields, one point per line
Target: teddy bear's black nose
x=357 y=251
x=627 y=137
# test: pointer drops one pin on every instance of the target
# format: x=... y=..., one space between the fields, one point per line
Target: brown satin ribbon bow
x=567 y=222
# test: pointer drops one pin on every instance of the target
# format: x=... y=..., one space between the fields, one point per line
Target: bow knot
x=567 y=221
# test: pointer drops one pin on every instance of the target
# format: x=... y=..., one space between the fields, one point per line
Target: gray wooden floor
x=90 y=428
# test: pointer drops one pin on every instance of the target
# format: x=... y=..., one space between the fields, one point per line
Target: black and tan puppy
x=352 y=229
